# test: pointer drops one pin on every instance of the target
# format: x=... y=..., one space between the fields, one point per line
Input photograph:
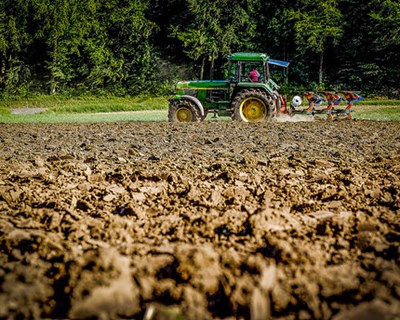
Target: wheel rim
x=253 y=109
x=183 y=114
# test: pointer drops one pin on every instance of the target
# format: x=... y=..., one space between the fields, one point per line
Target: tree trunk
x=212 y=67
x=321 y=64
x=203 y=61
x=52 y=77
x=2 y=67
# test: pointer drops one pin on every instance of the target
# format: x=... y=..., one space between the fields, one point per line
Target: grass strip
x=62 y=105
x=381 y=113
x=157 y=116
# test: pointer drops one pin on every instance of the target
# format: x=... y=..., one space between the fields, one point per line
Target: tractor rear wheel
x=250 y=106
x=183 y=111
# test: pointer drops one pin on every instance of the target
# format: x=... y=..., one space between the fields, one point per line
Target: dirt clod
x=210 y=220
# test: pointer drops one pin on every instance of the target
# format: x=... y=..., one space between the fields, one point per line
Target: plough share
x=315 y=104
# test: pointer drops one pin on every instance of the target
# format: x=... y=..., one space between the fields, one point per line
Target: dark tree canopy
x=130 y=47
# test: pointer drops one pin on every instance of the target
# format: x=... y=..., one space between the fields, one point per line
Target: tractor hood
x=201 y=84
x=183 y=87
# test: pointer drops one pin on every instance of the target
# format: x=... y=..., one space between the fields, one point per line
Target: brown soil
x=201 y=221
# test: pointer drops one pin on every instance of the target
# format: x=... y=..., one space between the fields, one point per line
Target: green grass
x=381 y=112
x=360 y=112
x=61 y=105
x=111 y=105
x=114 y=109
x=379 y=102
x=4 y=110
x=158 y=115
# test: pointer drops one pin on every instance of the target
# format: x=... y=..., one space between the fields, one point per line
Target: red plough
x=315 y=102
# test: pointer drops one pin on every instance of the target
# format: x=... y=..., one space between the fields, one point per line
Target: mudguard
x=195 y=101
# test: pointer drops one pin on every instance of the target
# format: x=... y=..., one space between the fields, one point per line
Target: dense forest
x=132 y=47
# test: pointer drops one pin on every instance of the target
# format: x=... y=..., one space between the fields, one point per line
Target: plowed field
x=215 y=220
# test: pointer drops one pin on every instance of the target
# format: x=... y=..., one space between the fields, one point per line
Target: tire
x=251 y=105
x=183 y=111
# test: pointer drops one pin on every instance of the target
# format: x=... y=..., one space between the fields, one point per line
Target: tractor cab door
x=244 y=71
x=252 y=72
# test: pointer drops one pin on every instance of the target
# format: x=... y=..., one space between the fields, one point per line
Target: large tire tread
x=246 y=94
x=188 y=106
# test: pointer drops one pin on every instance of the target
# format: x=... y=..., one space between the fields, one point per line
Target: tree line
x=131 y=47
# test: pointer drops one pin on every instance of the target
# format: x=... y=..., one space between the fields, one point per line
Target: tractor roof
x=256 y=57
x=248 y=56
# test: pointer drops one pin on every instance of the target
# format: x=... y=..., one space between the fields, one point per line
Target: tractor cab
x=242 y=64
x=241 y=72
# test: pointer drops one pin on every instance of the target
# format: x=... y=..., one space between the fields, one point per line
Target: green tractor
x=248 y=94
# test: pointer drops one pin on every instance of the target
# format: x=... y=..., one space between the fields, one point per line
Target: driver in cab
x=254 y=75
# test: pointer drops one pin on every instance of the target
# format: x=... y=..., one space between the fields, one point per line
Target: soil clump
x=213 y=220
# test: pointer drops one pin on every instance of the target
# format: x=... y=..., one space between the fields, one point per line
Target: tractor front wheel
x=183 y=111
x=251 y=106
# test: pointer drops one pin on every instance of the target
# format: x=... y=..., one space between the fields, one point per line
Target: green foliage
x=316 y=24
x=4 y=110
x=14 y=39
x=387 y=17
x=122 y=48
x=215 y=28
